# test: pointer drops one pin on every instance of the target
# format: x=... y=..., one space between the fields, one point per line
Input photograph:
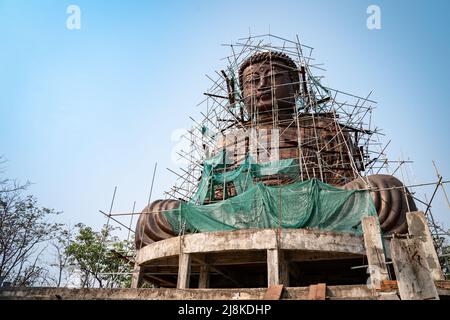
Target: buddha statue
x=281 y=111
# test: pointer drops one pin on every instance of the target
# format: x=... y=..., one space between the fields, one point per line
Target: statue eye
x=252 y=79
x=277 y=73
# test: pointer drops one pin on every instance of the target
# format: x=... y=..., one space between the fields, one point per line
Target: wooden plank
x=415 y=281
x=442 y=284
x=317 y=291
x=321 y=291
x=274 y=292
x=312 y=292
x=273 y=270
x=184 y=271
x=375 y=252
x=418 y=227
x=389 y=285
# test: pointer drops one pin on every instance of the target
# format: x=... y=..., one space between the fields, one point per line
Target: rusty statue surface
x=270 y=85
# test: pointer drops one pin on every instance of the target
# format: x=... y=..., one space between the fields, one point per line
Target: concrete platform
x=351 y=292
x=269 y=253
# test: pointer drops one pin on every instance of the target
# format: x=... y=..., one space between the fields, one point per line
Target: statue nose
x=264 y=83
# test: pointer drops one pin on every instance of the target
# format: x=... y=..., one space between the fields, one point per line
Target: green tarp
x=242 y=177
x=308 y=204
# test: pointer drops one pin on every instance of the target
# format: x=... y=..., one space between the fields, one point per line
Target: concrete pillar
x=415 y=281
x=374 y=251
x=137 y=277
x=203 y=281
x=184 y=271
x=418 y=227
x=273 y=267
x=284 y=270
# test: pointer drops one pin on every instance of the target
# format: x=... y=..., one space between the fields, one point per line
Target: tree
x=24 y=229
x=442 y=246
x=61 y=272
x=93 y=255
x=28 y=237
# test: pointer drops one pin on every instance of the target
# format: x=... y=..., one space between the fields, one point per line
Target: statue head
x=269 y=81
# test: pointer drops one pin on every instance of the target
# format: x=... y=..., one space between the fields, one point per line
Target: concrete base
x=248 y=258
x=349 y=292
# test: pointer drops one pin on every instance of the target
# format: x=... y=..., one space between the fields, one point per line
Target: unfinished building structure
x=286 y=185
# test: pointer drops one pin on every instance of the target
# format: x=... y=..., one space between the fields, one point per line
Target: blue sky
x=85 y=110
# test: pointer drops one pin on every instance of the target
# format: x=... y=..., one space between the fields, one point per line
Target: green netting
x=308 y=204
x=242 y=177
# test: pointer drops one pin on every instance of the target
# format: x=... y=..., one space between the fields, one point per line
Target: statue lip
x=264 y=94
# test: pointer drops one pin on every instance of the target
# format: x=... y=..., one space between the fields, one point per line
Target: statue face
x=267 y=86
